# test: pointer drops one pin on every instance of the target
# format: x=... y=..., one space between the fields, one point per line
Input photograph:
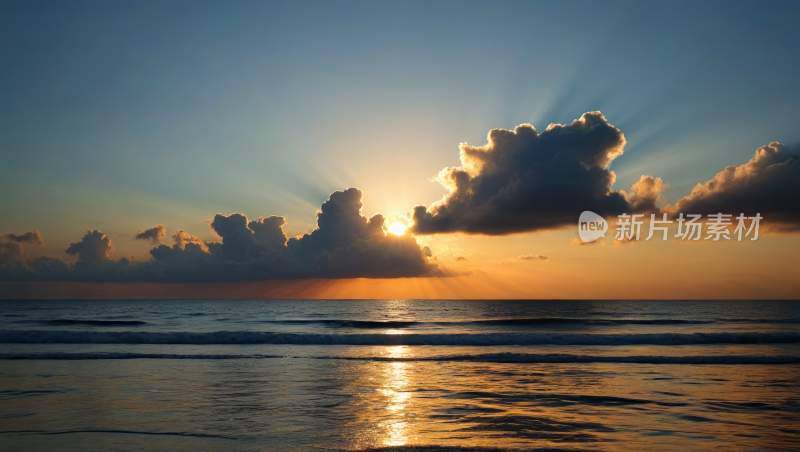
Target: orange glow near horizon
x=490 y=268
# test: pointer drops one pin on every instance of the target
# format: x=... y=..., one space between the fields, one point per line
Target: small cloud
x=183 y=238
x=576 y=241
x=28 y=237
x=626 y=241
x=534 y=257
x=155 y=234
x=646 y=192
x=93 y=248
x=460 y=258
x=426 y=251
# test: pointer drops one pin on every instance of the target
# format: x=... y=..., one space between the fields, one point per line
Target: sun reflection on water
x=394 y=388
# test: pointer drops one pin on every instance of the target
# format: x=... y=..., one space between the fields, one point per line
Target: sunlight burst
x=398 y=228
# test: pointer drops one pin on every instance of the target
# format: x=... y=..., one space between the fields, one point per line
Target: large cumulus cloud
x=345 y=244
x=768 y=184
x=522 y=180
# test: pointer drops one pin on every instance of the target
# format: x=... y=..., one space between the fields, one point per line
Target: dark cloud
x=94 y=247
x=522 y=180
x=10 y=253
x=349 y=245
x=269 y=232
x=768 y=184
x=426 y=251
x=186 y=246
x=534 y=257
x=15 y=265
x=345 y=244
x=155 y=234
x=238 y=241
x=28 y=237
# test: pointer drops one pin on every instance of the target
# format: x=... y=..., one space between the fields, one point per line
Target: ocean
x=317 y=375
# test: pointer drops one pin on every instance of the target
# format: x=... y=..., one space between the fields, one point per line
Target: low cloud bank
x=344 y=245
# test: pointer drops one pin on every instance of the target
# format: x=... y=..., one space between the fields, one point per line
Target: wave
x=729 y=320
x=127 y=432
x=487 y=358
x=86 y=322
x=351 y=323
x=487 y=339
x=555 y=321
x=371 y=324
x=400 y=324
x=416 y=448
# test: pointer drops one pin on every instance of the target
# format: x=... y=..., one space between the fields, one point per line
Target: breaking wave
x=487 y=339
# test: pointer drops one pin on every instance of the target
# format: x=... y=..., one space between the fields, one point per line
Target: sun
x=398 y=228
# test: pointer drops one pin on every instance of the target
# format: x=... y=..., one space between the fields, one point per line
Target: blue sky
x=120 y=115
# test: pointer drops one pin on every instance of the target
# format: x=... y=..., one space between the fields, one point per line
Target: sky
x=120 y=116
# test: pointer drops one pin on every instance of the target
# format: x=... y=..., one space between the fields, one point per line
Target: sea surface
x=316 y=375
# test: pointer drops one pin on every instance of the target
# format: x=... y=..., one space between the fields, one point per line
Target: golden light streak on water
x=396 y=380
